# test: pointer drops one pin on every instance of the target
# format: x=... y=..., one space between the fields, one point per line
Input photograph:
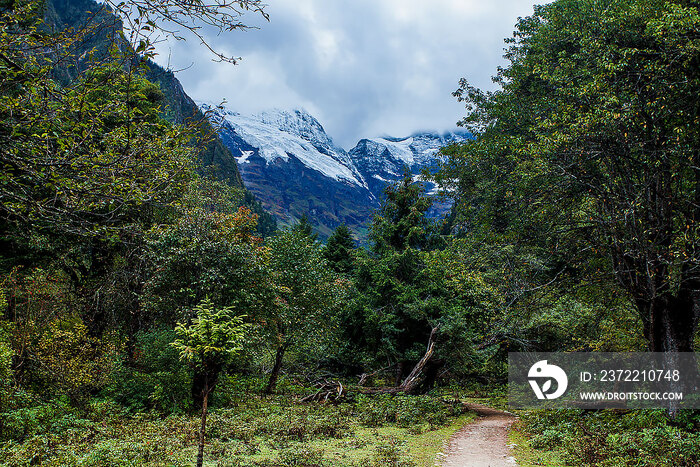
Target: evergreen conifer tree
x=338 y=250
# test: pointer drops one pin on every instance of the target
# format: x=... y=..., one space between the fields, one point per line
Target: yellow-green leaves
x=213 y=336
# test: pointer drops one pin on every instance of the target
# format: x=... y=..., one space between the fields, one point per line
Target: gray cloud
x=363 y=68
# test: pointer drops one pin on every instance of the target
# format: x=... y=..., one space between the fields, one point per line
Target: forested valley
x=151 y=312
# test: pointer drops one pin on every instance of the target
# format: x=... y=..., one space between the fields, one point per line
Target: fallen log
x=327 y=390
x=412 y=382
x=365 y=376
x=334 y=390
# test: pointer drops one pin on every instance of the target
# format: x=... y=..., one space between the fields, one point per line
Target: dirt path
x=483 y=443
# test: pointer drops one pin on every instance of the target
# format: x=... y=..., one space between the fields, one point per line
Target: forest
x=151 y=313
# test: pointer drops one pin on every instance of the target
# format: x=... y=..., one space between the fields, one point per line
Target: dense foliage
x=588 y=153
x=139 y=283
x=581 y=190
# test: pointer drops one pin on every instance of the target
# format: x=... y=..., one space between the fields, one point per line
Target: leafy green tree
x=214 y=336
x=396 y=309
x=401 y=222
x=339 y=248
x=309 y=293
x=207 y=254
x=89 y=165
x=588 y=152
x=85 y=159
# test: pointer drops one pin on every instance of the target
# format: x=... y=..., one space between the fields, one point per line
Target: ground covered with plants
x=609 y=438
x=244 y=428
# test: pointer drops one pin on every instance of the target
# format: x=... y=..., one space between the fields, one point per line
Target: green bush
x=279 y=422
x=405 y=411
x=305 y=457
x=662 y=446
x=155 y=379
x=644 y=438
x=34 y=418
x=390 y=454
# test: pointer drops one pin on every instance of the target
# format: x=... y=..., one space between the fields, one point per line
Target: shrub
x=305 y=457
x=644 y=438
x=156 y=379
x=390 y=454
x=405 y=411
x=72 y=360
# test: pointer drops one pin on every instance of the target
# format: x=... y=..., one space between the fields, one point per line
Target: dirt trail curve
x=483 y=443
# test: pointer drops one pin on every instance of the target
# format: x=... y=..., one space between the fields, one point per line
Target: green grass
x=526 y=455
x=417 y=445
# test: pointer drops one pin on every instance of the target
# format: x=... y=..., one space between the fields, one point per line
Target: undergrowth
x=245 y=429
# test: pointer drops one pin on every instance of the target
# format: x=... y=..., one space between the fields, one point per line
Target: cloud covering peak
x=363 y=68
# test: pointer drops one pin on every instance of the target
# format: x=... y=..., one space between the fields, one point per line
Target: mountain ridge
x=293 y=166
x=213 y=158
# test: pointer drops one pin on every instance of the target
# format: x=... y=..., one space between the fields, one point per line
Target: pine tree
x=401 y=222
x=338 y=250
x=393 y=282
x=304 y=227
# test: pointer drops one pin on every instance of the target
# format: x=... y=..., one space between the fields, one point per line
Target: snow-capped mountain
x=383 y=160
x=279 y=134
x=294 y=168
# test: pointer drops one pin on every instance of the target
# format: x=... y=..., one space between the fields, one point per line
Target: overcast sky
x=363 y=68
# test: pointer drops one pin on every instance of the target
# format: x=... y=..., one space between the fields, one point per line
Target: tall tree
x=590 y=151
x=308 y=295
x=338 y=250
x=401 y=222
x=207 y=254
x=304 y=228
x=393 y=281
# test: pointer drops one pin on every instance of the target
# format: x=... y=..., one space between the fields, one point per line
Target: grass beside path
x=414 y=446
x=526 y=455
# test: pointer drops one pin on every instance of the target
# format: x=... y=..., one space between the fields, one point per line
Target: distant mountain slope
x=294 y=168
x=214 y=158
x=279 y=134
x=383 y=160
x=180 y=108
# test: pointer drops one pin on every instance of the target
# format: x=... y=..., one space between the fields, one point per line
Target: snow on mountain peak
x=388 y=155
x=279 y=134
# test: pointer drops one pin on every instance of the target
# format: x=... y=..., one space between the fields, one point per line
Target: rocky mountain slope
x=214 y=158
x=383 y=160
x=293 y=167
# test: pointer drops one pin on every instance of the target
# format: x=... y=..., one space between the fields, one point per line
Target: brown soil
x=483 y=443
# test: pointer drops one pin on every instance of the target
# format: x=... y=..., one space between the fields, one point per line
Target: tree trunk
x=421 y=378
x=400 y=368
x=412 y=380
x=204 y=380
x=670 y=324
x=203 y=427
x=272 y=383
x=431 y=372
